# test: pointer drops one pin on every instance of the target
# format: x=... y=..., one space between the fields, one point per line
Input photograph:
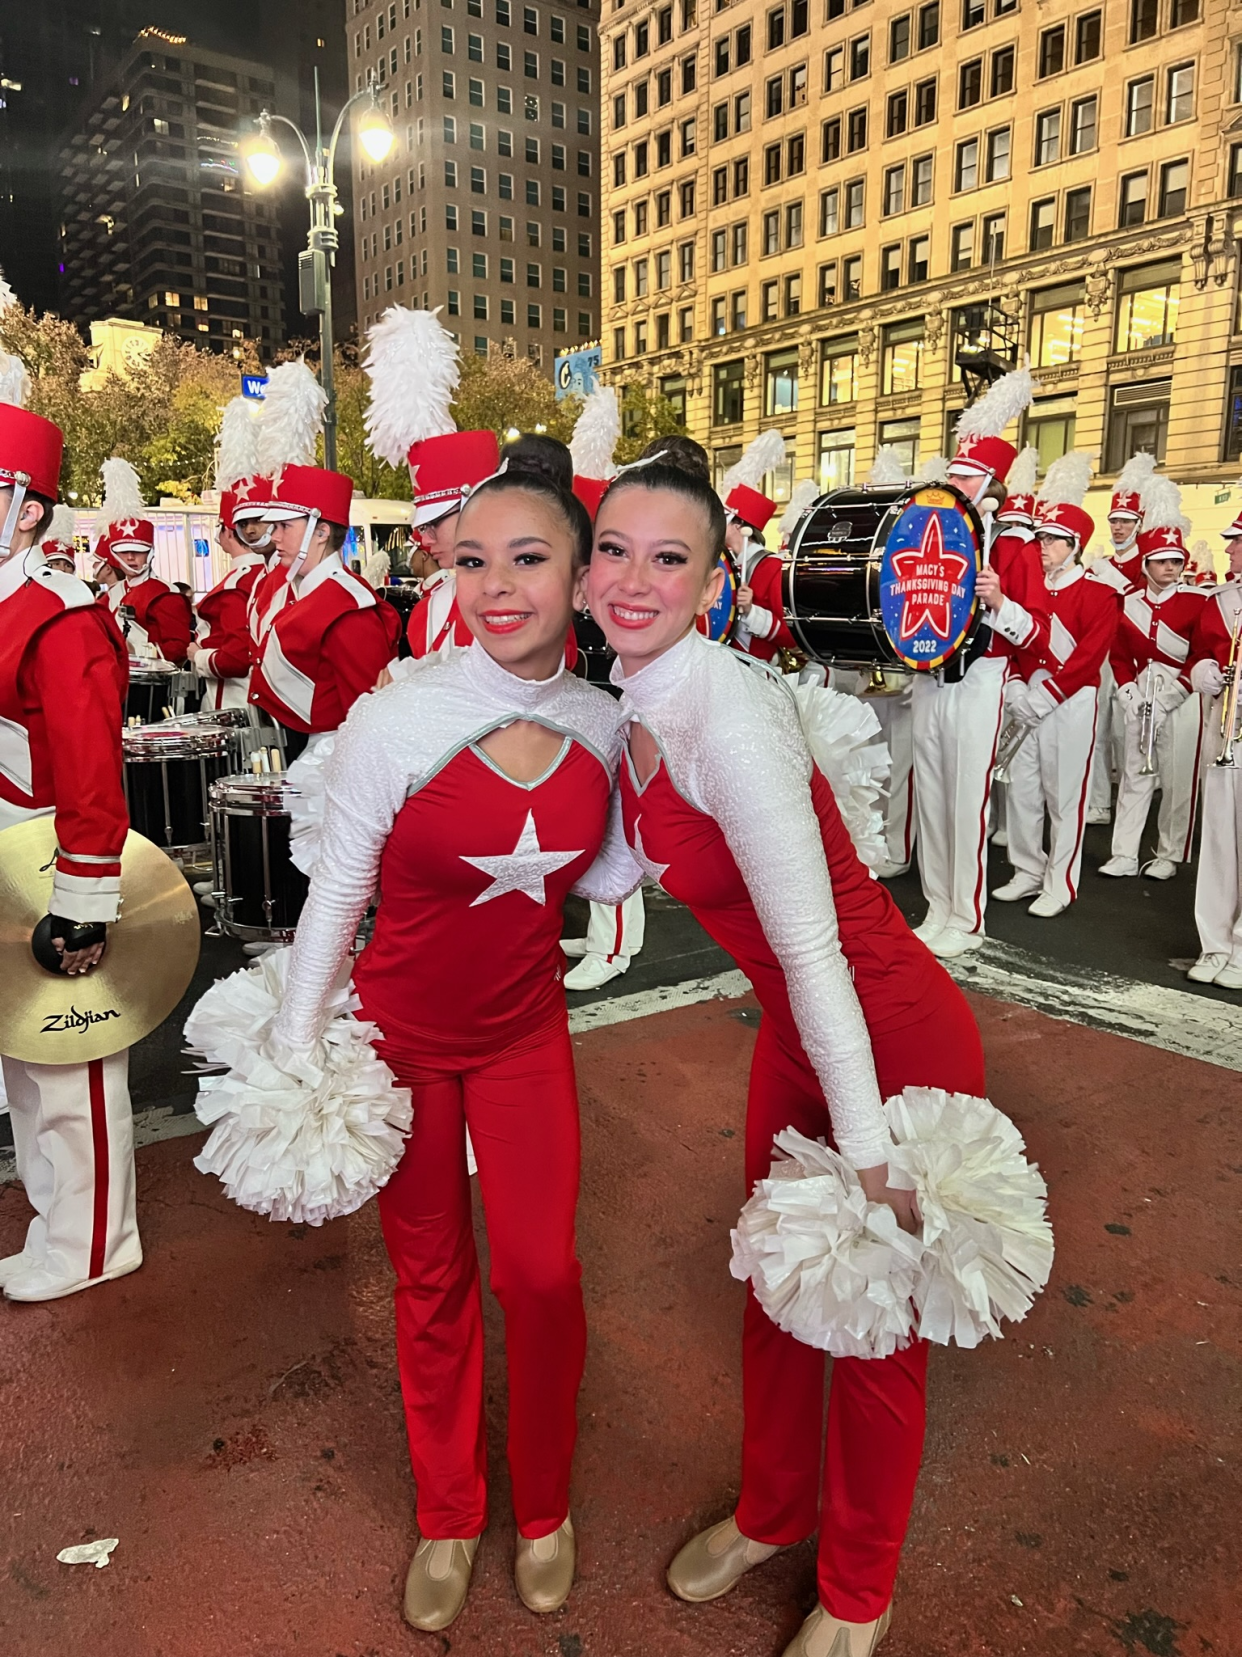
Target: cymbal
x=48 y=1018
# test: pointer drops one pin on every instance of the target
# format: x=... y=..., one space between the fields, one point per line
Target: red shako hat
x=1017 y=509
x=1164 y=542
x=750 y=506
x=1235 y=528
x=590 y=491
x=251 y=498
x=309 y=491
x=1067 y=521
x=983 y=456
x=228 y=500
x=131 y=535
x=1126 y=503
x=30 y=450
x=443 y=471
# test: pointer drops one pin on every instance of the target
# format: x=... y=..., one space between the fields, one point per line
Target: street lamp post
x=264 y=160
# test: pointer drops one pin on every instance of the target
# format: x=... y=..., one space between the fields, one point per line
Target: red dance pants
x=876 y=1406
x=521 y=1106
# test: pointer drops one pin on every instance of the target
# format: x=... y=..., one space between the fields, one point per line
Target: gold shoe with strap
x=438 y=1581
x=823 y=1635
x=714 y=1561
x=543 y=1571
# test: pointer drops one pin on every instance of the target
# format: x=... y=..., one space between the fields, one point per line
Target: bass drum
x=838 y=584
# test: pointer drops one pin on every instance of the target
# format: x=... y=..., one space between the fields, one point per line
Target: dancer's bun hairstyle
x=541 y=466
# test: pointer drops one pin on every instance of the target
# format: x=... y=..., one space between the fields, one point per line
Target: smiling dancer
x=723 y=804
x=475 y=793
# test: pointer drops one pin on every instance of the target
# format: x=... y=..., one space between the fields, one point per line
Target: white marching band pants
x=1176 y=775
x=956 y=729
x=1110 y=727
x=73 y=1132
x=616 y=930
x=900 y=809
x=1218 y=884
x=1050 y=775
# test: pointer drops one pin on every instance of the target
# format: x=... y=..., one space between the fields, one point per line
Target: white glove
x=1130 y=700
x=1170 y=694
x=1207 y=677
x=1041 y=700
x=1018 y=704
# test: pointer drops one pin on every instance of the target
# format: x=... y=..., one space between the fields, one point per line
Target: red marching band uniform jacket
x=1014 y=555
x=1213 y=634
x=1156 y=630
x=435 y=620
x=226 y=651
x=1082 y=624
x=63 y=678
x=165 y=615
x=766 y=583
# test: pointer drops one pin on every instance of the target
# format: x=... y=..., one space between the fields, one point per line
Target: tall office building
x=823 y=216
x=489 y=203
x=159 y=223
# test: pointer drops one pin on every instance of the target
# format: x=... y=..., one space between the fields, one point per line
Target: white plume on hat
x=804 y=493
x=595 y=434
x=1024 y=472
x=122 y=497
x=1136 y=473
x=935 y=469
x=763 y=455
x=1201 y=557
x=238 y=454
x=14 y=380
x=292 y=418
x=61 y=527
x=412 y=365
x=888 y=467
x=1067 y=480
x=1000 y=404
x=1162 y=504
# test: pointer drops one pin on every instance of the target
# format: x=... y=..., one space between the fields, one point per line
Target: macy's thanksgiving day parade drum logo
x=927 y=579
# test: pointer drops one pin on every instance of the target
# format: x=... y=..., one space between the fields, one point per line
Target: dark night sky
x=46 y=44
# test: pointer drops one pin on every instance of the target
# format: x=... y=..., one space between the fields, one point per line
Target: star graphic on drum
x=928 y=574
x=521 y=870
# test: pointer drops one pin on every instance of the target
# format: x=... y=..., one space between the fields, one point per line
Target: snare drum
x=259 y=890
x=238 y=724
x=154 y=686
x=168 y=778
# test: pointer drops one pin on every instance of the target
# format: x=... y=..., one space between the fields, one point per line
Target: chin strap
x=312 y=523
x=21 y=482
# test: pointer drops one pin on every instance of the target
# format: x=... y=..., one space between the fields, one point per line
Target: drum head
x=932 y=552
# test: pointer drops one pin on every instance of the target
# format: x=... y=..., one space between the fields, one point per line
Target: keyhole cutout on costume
x=524 y=751
x=644 y=753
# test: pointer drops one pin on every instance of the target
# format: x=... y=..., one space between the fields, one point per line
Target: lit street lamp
x=264 y=160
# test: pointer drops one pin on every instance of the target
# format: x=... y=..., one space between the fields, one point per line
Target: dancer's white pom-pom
x=306 y=1137
x=843 y=735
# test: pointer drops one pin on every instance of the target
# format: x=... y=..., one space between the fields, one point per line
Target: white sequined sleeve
x=751 y=772
x=614 y=873
x=365 y=787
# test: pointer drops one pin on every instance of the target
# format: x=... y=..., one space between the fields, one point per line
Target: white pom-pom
x=61 y=528
x=986 y=1237
x=999 y=406
x=122 y=492
x=411 y=362
x=1024 y=472
x=306 y=1137
x=802 y=497
x=14 y=380
x=887 y=467
x=1136 y=472
x=1066 y=481
x=830 y=1268
x=306 y=797
x=935 y=469
x=760 y=457
x=838 y=1273
x=292 y=418
x=1162 y=504
x=238 y=454
x=596 y=431
x=843 y=735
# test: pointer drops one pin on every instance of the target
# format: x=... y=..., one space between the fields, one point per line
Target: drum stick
x=276 y=763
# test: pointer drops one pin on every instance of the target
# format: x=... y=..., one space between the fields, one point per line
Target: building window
x=771 y=233
x=1050 y=427
x=1132 y=197
x=929 y=25
x=894 y=190
x=685 y=257
x=1083 y=126
x=919 y=259
x=1180 y=99
x=855 y=203
x=897 y=114
x=922 y=171
x=962 y=246
x=827 y=288
x=924 y=103
x=1138 y=418
x=1233 y=417
x=966 y=165
x=901 y=360
x=829 y=212
x=830 y=140
x=851 y=278
x=1002 y=71
x=1235 y=171
x=1047 y=137
x=738 y=238
x=992 y=241
x=1174 y=185
x=728 y=392
x=860 y=57
x=1088 y=36
x=1052 y=51
x=685 y=325
x=970 y=84
x=856 y=130
x=1182 y=12
x=720 y=322
x=836 y=459
x=902 y=435
x=793 y=294
x=1078 y=214
x=1140 y=102
x=838 y=375
x=890 y=267
x=781 y=383
x=1057 y=318
x=899 y=39
x=998 y=155
x=1144 y=19
x=720 y=249
x=1147 y=306
x=1043 y=221
x=772 y=164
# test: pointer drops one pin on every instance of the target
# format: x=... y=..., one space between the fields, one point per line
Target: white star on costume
x=655 y=870
x=523 y=869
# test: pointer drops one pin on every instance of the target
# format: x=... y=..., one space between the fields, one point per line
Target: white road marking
x=1192 y=1026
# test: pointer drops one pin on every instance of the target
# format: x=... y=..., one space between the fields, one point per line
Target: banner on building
x=576 y=371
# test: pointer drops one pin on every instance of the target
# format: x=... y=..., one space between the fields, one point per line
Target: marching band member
x=58 y=546
x=1216 y=651
x=476 y=793
x=62 y=689
x=1015 y=521
x=225 y=656
x=761 y=629
x=1151 y=654
x=721 y=802
x=1054 y=701
x=408 y=348
x=958 y=710
x=1120 y=569
x=155 y=614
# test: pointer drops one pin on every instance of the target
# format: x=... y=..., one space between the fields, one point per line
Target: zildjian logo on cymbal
x=74 y=1020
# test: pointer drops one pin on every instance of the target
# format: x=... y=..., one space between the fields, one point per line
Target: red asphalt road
x=231 y=1412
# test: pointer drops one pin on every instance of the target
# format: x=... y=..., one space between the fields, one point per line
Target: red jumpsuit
x=463 y=979
x=921 y=1033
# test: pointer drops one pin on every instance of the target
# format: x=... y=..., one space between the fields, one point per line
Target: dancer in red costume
x=476 y=793
x=723 y=805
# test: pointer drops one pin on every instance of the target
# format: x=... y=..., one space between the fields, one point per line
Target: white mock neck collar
x=653 y=686
x=505 y=689
x=1065 y=577
x=17 y=569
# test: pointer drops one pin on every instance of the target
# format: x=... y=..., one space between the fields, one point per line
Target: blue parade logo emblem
x=718 y=622
x=927 y=579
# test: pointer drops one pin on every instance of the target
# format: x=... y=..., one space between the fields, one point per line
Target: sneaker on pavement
x=1099 y=814
x=1203 y=972
x=38 y=1283
x=594 y=971
x=1021 y=886
x=951 y=943
x=574 y=946
x=928 y=930
x=1120 y=866
x=1229 y=977
x=1160 y=868
x=438 y=1581
x=543 y=1571
x=1045 y=906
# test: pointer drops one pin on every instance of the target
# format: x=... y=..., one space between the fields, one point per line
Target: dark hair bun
x=545 y=457
x=681 y=451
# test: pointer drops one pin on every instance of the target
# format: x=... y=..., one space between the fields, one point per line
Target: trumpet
x=1147 y=724
x=1229 y=697
x=1012 y=737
